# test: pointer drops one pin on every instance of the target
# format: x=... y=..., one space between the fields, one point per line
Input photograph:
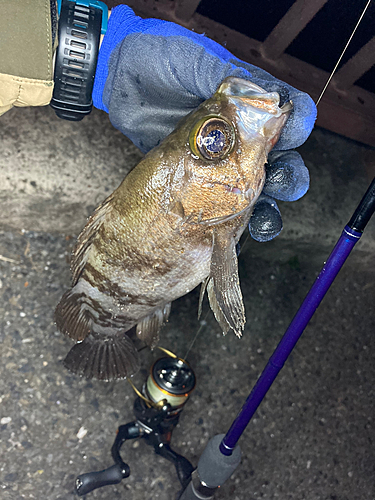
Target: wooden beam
x=345 y=121
x=357 y=66
x=185 y=9
x=294 y=21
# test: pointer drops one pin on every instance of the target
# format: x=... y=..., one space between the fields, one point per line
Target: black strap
x=76 y=59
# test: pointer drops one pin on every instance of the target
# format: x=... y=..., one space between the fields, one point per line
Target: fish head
x=225 y=143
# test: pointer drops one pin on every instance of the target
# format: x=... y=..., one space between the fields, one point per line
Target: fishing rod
x=222 y=454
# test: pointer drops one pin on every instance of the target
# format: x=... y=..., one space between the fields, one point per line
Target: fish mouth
x=223 y=218
x=248 y=194
x=257 y=110
x=258 y=97
x=287 y=107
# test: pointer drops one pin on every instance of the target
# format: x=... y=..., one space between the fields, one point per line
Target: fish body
x=172 y=224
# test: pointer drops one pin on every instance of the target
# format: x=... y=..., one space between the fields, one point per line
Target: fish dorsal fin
x=85 y=239
x=148 y=328
x=226 y=282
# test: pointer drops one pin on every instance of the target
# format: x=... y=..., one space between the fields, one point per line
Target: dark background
x=320 y=43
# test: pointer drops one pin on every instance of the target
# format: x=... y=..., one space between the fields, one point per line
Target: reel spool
x=171 y=380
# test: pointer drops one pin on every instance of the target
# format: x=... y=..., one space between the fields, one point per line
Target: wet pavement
x=313 y=436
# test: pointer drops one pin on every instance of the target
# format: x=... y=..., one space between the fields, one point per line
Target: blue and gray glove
x=151 y=73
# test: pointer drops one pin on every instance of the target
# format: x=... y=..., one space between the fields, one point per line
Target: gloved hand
x=151 y=73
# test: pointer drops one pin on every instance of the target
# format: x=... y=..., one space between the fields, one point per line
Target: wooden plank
x=347 y=122
x=357 y=66
x=294 y=21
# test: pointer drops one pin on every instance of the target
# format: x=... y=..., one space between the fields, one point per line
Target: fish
x=172 y=224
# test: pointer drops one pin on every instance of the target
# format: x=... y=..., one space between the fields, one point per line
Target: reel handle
x=85 y=483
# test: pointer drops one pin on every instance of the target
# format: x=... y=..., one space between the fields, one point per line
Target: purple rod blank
x=341 y=251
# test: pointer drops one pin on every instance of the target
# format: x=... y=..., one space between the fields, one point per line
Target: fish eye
x=212 y=139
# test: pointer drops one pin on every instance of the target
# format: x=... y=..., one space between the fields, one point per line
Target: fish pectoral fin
x=71 y=318
x=226 y=282
x=201 y=295
x=218 y=313
x=103 y=357
x=148 y=328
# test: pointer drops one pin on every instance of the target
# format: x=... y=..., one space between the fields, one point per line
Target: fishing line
x=203 y=323
x=343 y=52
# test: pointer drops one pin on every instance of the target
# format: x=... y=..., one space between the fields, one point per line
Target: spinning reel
x=157 y=411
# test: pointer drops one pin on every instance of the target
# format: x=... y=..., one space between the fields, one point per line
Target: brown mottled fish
x=172 y=224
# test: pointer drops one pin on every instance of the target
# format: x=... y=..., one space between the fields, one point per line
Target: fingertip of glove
x=265 y=222
x=287 y=177
x=300 y=123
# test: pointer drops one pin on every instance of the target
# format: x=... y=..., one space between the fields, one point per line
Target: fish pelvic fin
x=225 y=284
x=148 y=328
x=87 y=236
x=103 y=357
x=71 y=316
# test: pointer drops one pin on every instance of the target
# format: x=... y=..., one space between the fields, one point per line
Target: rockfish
x=172 y=224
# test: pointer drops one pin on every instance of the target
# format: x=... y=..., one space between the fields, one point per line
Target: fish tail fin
x=72 y=317
x=103 y=357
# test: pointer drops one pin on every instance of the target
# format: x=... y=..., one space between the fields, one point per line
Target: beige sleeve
x=26 y=69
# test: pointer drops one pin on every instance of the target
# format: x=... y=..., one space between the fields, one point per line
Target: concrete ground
x=313 y=436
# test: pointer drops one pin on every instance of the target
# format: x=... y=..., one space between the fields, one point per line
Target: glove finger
x=265 y=222
x=299 y=124
x=287 y=177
